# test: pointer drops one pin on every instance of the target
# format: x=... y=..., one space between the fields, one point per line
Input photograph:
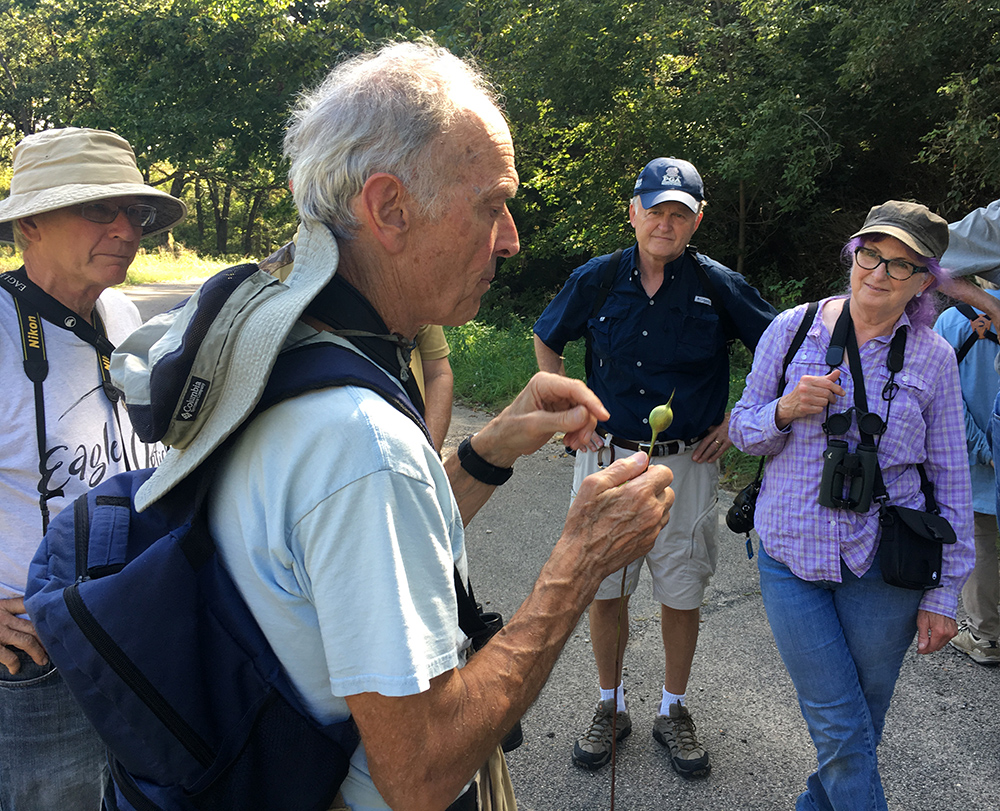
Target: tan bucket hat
x=70 y=166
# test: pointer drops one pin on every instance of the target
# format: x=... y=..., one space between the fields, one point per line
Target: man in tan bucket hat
x=77 y=209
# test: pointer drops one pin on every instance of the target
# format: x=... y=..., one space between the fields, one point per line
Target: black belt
x=668 y=447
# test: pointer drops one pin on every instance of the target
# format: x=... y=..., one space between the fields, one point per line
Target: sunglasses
x=138 y=215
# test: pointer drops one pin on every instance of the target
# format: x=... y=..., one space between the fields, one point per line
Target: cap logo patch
x=671 y=177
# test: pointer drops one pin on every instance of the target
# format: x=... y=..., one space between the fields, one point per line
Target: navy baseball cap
x=670 y=179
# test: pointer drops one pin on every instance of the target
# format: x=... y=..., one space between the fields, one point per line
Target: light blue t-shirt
x=974 y=244
x=979 y=390
x=337 y=522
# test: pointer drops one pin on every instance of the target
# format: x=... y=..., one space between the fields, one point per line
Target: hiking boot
x=984 y=651
x=676 y=732
x=593 y=750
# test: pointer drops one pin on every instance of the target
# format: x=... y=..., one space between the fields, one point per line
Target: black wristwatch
x=479 y=468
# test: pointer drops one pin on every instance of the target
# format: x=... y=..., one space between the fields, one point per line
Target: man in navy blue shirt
x=658 y=318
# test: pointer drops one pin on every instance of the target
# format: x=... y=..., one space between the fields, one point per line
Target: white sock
x=607 y=694
x=668 y=699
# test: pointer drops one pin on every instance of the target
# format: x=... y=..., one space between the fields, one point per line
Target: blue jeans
x=995 y=444
x=52 y=758
x=843 y=644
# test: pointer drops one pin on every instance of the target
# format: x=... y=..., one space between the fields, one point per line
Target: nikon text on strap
x=32 y=305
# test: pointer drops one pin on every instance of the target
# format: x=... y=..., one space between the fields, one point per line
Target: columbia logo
x=193 y=398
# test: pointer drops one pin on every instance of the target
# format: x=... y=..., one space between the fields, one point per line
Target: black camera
x=740 y=516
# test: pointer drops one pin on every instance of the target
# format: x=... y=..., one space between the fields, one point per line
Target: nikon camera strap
x=32 y=305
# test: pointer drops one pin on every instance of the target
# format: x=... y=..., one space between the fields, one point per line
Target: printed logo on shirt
x=703 y=300
x=90 y=463
x=193 y=399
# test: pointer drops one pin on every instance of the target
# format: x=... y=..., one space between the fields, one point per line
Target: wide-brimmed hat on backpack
x=192 y=375
x=57 y=168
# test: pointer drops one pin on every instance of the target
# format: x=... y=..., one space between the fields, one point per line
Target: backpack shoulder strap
x=324 y=365
x=728 y=327
x=966 y=310
x=800 y=336
x=970 y=341
x=608 y=273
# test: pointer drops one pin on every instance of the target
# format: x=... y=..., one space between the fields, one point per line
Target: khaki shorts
x=685 y=554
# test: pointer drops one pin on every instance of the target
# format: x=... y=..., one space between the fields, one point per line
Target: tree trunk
x=248 y=231
x=220 y=208
x=199 y=213
x=741 y=242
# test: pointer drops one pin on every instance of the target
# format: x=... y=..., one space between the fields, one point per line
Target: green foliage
x=8 y=259
x=800 y=115
x=491 y=365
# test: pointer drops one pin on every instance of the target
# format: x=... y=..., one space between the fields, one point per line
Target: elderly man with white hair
x=334 y=514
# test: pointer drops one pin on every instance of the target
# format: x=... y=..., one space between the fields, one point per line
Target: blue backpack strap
x=323 y=365
x=973 y=316
x=608 y=273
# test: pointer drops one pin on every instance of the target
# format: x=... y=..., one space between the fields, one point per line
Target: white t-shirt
x=337 y=522
x=82 y=439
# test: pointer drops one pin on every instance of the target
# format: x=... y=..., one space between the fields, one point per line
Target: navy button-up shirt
x=645 y=347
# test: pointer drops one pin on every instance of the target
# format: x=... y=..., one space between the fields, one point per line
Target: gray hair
x=20 y=241
x=377 y=112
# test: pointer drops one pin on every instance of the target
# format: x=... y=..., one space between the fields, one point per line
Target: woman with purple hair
x=828 y=426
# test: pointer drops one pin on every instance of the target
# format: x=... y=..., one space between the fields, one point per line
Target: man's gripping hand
x=18 y=632
x=615 y=518
x=549 y=404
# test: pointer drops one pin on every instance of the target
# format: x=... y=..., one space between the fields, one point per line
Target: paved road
x=940 y=749
x=940 y=752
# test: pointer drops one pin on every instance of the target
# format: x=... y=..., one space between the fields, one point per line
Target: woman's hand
x=934 y=631
x=810 y=396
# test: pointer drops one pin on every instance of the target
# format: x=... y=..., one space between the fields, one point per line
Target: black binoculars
x=853 y=471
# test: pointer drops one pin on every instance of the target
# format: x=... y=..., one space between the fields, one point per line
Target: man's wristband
x=479 y=468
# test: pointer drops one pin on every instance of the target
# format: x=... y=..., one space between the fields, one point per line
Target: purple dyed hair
x=921 y=311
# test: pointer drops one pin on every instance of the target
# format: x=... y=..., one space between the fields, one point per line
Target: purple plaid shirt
x=925 y=424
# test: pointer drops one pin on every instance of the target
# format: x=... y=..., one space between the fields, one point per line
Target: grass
x=182 y=266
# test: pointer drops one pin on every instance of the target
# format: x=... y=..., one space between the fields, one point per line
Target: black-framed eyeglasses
x=140 y=215
x=898 y=269
x=868 y=422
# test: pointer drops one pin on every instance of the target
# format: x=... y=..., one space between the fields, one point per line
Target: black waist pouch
x=911 y=546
